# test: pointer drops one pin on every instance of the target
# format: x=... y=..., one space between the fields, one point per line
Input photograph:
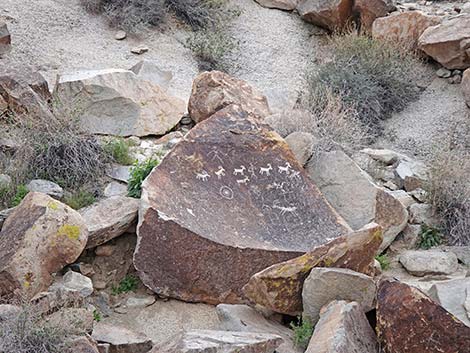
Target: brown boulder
x=449 y=42
x=39 y=238
x=466 y=86
x=369 y=10
x=403 y=27
x=330 y=14
x=279 y=287
x=410 y=322
x=215 y=90
x=231 y=196
x=5 y=39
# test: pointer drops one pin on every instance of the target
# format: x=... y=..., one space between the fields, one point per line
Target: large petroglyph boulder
x=227 y=202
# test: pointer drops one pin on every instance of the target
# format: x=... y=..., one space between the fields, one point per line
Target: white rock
x=429 y=262
x=120 y=173
x=74 y=283
x=402 y=196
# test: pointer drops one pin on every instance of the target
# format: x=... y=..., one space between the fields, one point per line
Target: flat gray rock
x=429 y=262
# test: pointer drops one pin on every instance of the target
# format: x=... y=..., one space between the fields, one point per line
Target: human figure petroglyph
x=266 y=170
x=216 y=155
x=243 y=181
x=284 y=169
x=220 y=172
x=202 y=176
x=239 y=171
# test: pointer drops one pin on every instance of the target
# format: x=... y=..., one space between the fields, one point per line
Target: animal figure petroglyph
x=285 y=210
x=202 y=176
x=294 y=175
x=266 y=170
x=243 y=181
x=220 y=173
x=285 y=169
x=239 y=171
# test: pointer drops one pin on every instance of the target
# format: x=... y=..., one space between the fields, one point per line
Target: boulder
x=75 y=284
x=387 y=157
x=120 y=339
x=149 y=71
x=449 y=42
x=330 y=14
x=279 y=4
x=422 y=213
x=466 y=86
x=301 y=144
x=403 y=27
x=369 y=10
x=353 y=194
x=410 y=322
x=324 y=285
x=5 y=39
x=206 y=341
x=4 y=214
x=82 y=345
x=343 y=328
x=39 y=238
x=239 y=202
x=109 y=218
x=46 y=187
x=429 y=262
x=120 y=173
x=453 y=295
x=115 y=188
x=117 y=102
x=215 y=90
x=9 y=311
x=245 y=319
x=279 y=287
x=411 y=174
x=74 y=321
x=401 y=195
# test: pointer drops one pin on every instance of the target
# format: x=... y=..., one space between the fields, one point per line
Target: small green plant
x=384 y=261
x=20 y=194
x=96 y=315
x=139 y=172
x=80 y=199
x=127 y=284
x=303 y=330
x=118 y=149
x=429 y=237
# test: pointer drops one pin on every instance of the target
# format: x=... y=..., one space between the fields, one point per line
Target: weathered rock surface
x=149 y=71
x=239 y=202
x=279 y=287
x=46 y=187
x=466 y=86
x=403 y=27
x=301 y=144
x=330 y=14
x=83 y=345
x=205 y=341
x=8 y=311
x=215 y=90
x=120 y=339
x=5 y=39
x=343 y=328
x=245 y=319
x=411 y=174
x=4 y=214
x=115 y=188
x=324 y=285
x=109 y=218
x=354 y=196
x=369 y=10
x=39 y=238
x=74 y=283
x=449 y=42
x=76 y=321
x=410 y=322
x=117 y=102
x=453 y=295
x=429 y=262
x=279 y=4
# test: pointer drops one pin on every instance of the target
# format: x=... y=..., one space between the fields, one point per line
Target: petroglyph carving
x=266 y=170
x=285 y=169
x=220 y=172
x=239 y=171
x=202 y=176
x=243 y=181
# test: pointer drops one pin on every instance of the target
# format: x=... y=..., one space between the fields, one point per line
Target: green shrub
x=20 y=194
x=429 y=237
x=303 y=331
x=127 y=284
x=139 y=172
x=96 y=315
x=372 y=76
x=80 y=199
x=118 y=149
x=384 y=261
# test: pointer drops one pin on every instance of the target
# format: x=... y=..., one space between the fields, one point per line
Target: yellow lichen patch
x=377 y=235
x=69 y=231
x=53 y=205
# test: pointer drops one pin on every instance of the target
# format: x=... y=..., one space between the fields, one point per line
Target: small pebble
x=120 y=35
x=443 y=73
x=139 y=50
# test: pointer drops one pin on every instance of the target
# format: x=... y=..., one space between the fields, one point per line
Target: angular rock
x=462 y=253
x=83 y=345
x=452 y=295
x=5 y=181
x=239 y=202
x=206 y=341
x=120 y=173
x=354 y=196
x=324 y=285
x=5 y=39
x=117 y=102
x=115 y=188
x=120 y=339
x=140 y=301
x=215 y=90
x=149 y=71
x=245 y=319
x=429 y=262
x=449 y=42
x=39 y=238
x=466 y=86
x=411 y=175
x=401 y=195
x=410 y=322
x=387 y=157
x=403 y=27
x=279 y=4
x=330 y=14
x=75 y=321
x=301 y=144
x=46 y=187
x=369 y=10
x=343 y=328
x=422 y=213
x=75 y=283
x=109 y=218
x=4 y=214
x=8 y=311
x=279 y=287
